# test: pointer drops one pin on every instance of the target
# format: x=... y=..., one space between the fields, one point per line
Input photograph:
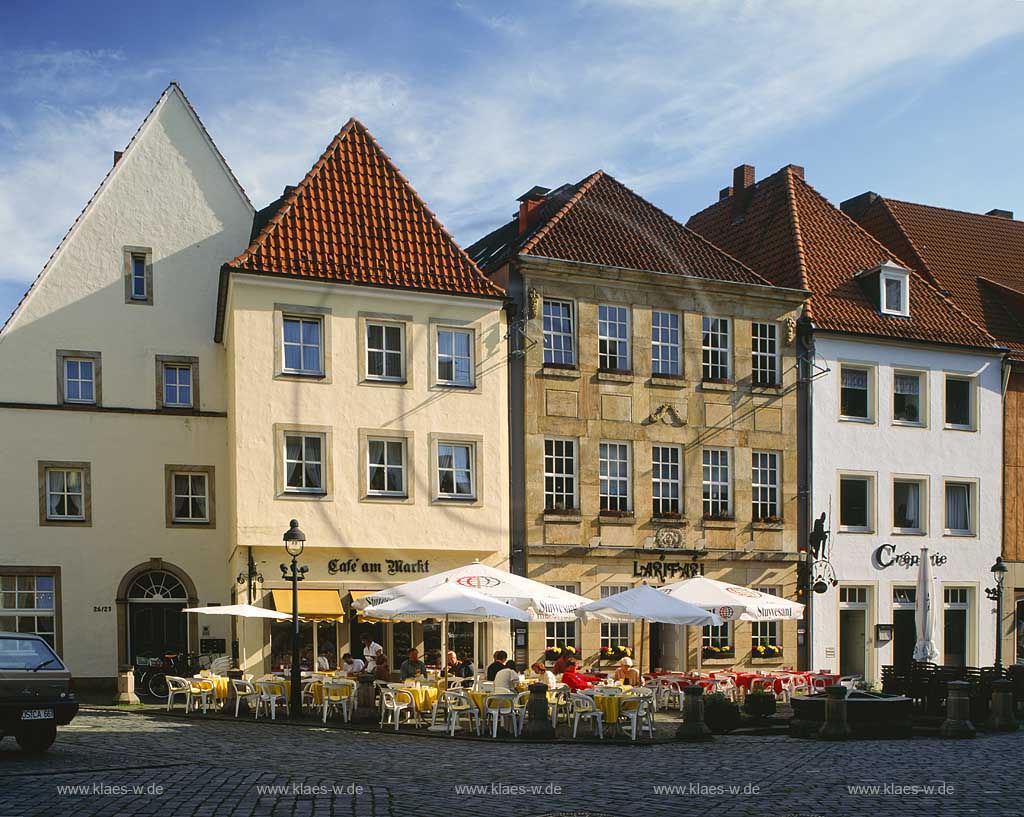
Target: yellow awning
x=313 y=604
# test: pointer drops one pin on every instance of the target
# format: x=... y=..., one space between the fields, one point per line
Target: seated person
x=627 y=673
x=351 y=665
x=412 y=667
x=451 y=661
x=466 y=670
x=576 y=680
x=562 y=663
x=381 y=669
x=323 y=662
x=544 y=675
x=500 y=657
x=506 y=679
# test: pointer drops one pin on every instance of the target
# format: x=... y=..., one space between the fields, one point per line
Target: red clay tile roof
x=791 y=234
x=601 y=221
x=978 y=259
x=355 y=219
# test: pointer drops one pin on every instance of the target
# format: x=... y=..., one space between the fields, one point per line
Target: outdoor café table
x=316 y=688
x=221 y=685
x=423 y=696
x=609 y=704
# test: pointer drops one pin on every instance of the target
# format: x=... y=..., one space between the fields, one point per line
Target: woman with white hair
x=627 y=673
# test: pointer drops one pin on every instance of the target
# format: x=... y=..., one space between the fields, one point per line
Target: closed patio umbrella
x=924 y=612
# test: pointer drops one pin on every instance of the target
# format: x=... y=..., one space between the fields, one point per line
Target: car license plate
x=37 y=715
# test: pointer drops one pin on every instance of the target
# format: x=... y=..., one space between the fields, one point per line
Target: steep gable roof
x=600 y=221
x=172 y=91
x=355 y=219
x=978 y=259
x=787 y=231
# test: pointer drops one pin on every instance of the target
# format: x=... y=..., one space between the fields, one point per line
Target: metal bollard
x=693 y=726
x=1001 y=715
x=958 y=711
x=835 y=726
x=538 y=724
x=126 y=687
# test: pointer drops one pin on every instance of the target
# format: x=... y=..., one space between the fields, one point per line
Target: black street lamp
x=996 y=594
x=294 y=542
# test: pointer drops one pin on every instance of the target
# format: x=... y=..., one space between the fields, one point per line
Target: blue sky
x=477 y=101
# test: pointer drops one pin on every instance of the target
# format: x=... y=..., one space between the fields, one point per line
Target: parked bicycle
x=151 y=672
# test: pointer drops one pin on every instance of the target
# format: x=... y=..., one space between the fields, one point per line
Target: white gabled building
x=113 y=409
x=901 y=429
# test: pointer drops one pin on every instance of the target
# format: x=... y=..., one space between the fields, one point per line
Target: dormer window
x=894 y=292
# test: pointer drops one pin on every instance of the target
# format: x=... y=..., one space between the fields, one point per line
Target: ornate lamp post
x=294 y=543
x=996 y=594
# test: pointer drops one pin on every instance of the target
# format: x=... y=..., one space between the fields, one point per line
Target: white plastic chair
x=458 y=705
x=177 y=686
x=339 y=695
x=560 y=704
x=394 y=703
x=220 y=665
x=243 y=689
x=798 y=685
x=584 y=708
x=522 y=699
x=201 y=694
x=636 y=710
x=818 y=683
x=506 y=680
x=499 y=706
x=656 y=687
x=308 y=696
x=270 y=693
x=484 y=686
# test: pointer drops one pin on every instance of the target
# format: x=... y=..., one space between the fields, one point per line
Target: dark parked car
x=36 y=691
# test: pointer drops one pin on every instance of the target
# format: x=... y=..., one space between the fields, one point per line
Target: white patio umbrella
x=924 y=612
x=644 y=603
x=545 y=602
x=732 y=602
x=242 y=611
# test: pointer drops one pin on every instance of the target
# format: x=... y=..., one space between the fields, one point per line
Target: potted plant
x=759 y=704
x=720 y=714
x=766 y=651
x=726 y=651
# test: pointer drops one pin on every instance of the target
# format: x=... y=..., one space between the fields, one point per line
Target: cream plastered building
x=648 y=425
x=93 y=554
x=367 y=399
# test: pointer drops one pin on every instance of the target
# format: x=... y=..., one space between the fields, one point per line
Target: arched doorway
x=156 y=623
x=150 y=602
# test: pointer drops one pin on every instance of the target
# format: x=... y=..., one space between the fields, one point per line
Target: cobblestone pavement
x=115 y=764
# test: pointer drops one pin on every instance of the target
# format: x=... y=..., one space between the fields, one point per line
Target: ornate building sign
x=885 y=556
x=392 y=567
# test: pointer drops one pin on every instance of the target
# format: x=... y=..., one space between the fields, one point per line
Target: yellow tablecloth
x=609 y=704
x=221 y=685
x=425 y=697
x=286 y=686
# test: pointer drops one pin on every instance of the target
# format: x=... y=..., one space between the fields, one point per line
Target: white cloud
x=654 y=91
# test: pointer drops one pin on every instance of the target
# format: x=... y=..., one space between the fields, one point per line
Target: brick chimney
x=742 y=178
x=529 y=208
x=1001 y=213
x=724 y=193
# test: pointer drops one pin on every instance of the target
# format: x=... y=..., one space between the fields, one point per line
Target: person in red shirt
x=562 y=663
x=575 y=680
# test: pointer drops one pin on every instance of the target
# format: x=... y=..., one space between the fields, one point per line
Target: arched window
x=157 y=585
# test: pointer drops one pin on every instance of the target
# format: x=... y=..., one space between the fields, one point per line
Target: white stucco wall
x=170 y=192
x=885 y=450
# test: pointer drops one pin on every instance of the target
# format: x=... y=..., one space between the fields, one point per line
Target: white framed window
x=613 y=338
x=455 y=357
x=138 y=283
x=960 y=402
x=956 y=598
x=764 y=347
x=559 y=333
x=666 y=344
x=615 y=465
x=765 y=633
x=302 y=342
x=908 y=398
x=562 y=633
x=386 y=467
x=614 y=634
x=455 y=467
x=960 y=509
x=717 y=483
x=79 y=380
x=764 y=479
x=177 y=385
x=304 y=463
x=855 y=392
x=904 y=597
x=717 y=638
x=65 y=494
x=716 y=349
x=28 y=604
x=560 y=463
x=894 y=293
x=909 y=505
x=856 y=503
x=190 y=500
x=854 y=596
x=667 y=480
x=385 y=351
